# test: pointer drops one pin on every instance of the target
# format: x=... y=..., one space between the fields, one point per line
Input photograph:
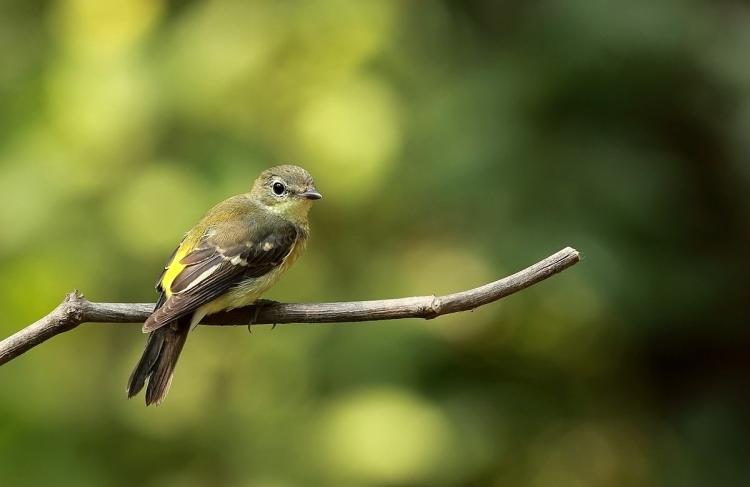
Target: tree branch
x=75 y=309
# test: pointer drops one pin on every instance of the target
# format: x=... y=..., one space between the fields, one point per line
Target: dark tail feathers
x=157 y=363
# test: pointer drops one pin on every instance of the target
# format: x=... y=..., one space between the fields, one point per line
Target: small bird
x=228 y=260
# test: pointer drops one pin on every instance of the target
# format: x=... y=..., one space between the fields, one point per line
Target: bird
x=233 y=255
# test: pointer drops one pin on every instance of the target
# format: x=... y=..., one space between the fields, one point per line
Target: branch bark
x=75 y=309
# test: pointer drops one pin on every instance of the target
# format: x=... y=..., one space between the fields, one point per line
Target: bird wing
x=224 y=257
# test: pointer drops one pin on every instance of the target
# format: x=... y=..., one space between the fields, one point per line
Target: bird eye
x=278 y=188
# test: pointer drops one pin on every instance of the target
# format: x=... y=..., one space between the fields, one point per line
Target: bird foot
x=259 y=305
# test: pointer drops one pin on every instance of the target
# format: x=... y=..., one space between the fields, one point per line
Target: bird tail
x=157 y=363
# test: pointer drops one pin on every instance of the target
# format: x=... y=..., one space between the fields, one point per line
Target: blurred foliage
x=455 y=142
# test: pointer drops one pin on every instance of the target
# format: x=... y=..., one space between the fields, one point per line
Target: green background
x=455 y=142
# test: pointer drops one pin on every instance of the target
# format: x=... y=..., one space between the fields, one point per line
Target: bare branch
x=75 y=309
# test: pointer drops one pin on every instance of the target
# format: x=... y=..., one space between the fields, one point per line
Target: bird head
x=286 y=190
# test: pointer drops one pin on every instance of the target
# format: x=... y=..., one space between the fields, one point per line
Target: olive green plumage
x=232 y=256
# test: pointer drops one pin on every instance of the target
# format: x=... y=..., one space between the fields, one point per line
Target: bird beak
x=311 y=194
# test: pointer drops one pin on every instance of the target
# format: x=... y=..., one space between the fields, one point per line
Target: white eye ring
x=278 y=188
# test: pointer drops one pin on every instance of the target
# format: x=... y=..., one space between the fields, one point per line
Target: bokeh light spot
x=354 y=132
x=385 y=435
x=151 y=213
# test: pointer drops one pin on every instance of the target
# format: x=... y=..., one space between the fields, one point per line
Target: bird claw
x=259 y=305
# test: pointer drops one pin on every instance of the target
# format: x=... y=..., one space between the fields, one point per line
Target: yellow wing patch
x=173 y=269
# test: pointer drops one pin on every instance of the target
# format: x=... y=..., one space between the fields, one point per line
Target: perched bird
x=228 y=260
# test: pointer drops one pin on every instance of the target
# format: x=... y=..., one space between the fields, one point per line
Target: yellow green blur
x=455 y=142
